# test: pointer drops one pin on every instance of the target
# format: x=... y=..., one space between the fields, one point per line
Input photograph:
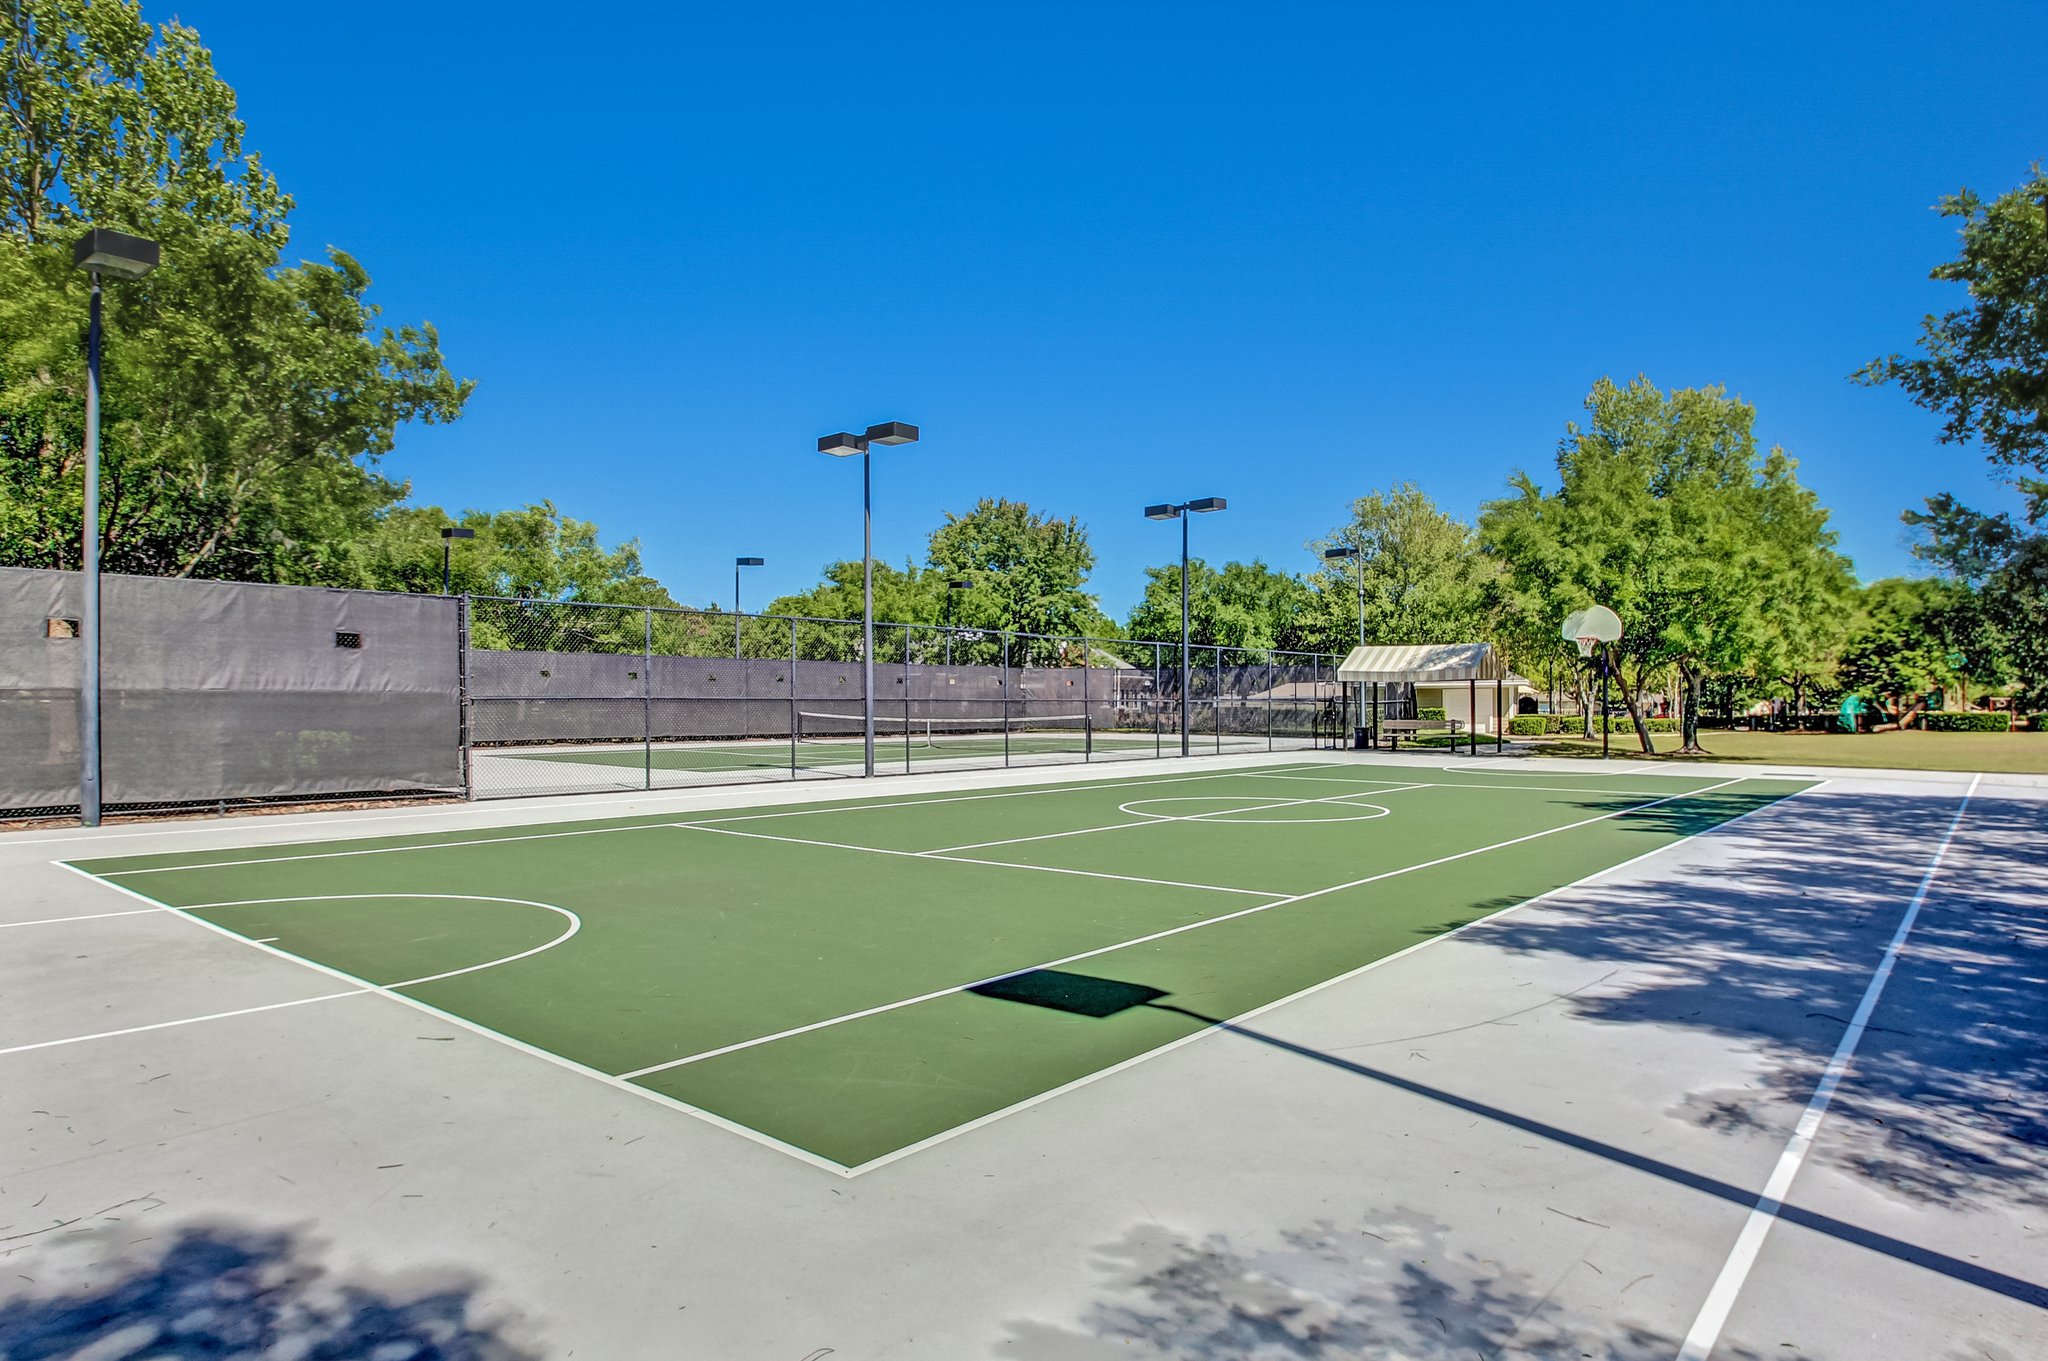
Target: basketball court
x=1303 y=1054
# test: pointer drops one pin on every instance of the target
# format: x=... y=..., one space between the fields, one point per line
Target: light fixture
x=845 y=444
x=1169 y=511
x=115 y=255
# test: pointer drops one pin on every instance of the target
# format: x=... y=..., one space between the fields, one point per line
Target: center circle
x=1219 y=808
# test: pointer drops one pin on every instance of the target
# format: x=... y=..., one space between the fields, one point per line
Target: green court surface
x=848 y=979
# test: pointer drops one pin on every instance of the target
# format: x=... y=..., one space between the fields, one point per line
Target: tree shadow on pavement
x=1387 y=1287
x=216 y=1291
x=1774 y=945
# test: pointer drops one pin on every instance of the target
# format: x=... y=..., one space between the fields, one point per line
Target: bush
x=1967 y=722
x=1438 y=714
x=1528 y=725
x=2038 y=722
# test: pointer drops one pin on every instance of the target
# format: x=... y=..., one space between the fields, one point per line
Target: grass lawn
x=1998 y=752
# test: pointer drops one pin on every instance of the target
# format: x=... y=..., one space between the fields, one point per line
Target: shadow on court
x=1388 y=1287
x=1948 y=1098
x=222 y=1291
x=1088 y=995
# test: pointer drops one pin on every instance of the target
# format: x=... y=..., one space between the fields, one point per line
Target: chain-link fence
x=218 y=692
x=575 y=697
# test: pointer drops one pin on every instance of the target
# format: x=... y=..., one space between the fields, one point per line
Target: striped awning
x=1423 y=663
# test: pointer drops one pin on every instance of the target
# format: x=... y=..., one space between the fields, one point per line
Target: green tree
x=533 y=553
x=1668 y=513
x=1246 y=605
x=247 y=401
x=1996 y=596
x=906 y=595
x=1027 y=572
x=1427 y=577
x=1896 y=651
x=1984 y=367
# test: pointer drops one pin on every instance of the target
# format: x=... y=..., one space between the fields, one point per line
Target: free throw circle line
x=575 y=923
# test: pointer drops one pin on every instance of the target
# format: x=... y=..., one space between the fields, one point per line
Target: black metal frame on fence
x=964 y=697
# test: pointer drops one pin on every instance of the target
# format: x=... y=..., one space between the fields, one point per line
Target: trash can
x=1361 y=738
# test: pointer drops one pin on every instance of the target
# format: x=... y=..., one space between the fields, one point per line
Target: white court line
x=768 y=1141
x=1713 y=1315
x=575 y=925
x=802 y=1155
x=1216 y=816
x=1158 y=935
x=85 y=917
x=908 y=801
x=184 y=1020
x=1225 y=1025
x=1446 y=784
x=969 y=860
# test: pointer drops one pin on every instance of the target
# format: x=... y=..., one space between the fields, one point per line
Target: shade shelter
x=1431 y=666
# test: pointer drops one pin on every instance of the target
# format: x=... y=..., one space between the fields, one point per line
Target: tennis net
x=1040 y=732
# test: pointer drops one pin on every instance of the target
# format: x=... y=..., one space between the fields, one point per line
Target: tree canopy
x=1245 y=605
x=1668 y=513
x=1983 y=367
x=247 y=400
x=1426 y=576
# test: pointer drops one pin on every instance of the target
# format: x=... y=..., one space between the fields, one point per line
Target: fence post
x=647 y=695
x=1007 y=695
x=1216 y=702
x=792 y=700
x=1269 y=699
x=1158 y=703
x=463 y=734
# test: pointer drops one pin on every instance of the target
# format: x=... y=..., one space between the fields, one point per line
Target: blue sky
x=1112 y=254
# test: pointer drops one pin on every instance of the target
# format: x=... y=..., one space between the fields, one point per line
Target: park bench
x=1394 y=727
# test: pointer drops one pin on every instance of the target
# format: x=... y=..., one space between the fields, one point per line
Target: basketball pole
x=1606 y=724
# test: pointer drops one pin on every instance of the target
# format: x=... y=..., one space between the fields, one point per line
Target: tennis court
x=850 y=980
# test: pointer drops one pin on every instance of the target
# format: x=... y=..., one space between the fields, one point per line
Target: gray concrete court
x=1539 y=1138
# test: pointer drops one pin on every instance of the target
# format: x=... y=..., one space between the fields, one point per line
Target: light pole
x=119 y=256
x=448 y=538
x=1339 y=555
x=953 y=587
x=844 y=445
x=737 y=564
x=1200 y=506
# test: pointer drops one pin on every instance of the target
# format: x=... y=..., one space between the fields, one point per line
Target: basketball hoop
x=1591 y=627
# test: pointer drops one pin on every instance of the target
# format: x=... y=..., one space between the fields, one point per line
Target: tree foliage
x=1027 y=572
x=1245 y=605
x=1427 y=579
x=1667 y=512
x=247 y=400
x=1983 y=367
